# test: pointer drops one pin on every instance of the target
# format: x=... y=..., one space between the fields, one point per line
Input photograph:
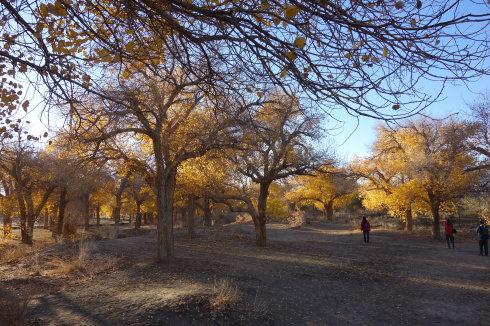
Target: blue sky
x=352 y=141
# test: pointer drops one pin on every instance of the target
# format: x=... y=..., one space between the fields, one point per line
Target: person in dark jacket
x=483 y=233
x=365 y=228
x=449 y=229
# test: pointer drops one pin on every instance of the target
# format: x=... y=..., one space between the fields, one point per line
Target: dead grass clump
x=224 y=295
x=79 y=263
x=13 y=253
x=13 y=311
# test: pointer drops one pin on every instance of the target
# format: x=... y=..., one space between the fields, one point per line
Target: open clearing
x=322 y=274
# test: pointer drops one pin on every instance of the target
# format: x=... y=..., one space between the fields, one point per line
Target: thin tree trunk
x=137 y=222
x=409 y=220
x=86 y=210
x=46 y=219
x=97 y=215
x=61 y=211
x=116 y=213
x=207 y=212
x=260 y=230
x=190 y=217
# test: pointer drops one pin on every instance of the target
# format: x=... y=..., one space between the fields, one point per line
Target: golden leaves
x=291 y=55
x=290 y=11
x=299 y=42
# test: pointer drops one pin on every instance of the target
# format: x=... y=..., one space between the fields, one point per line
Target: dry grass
x=11 y=253
x=79 y=263
x=13 y=311
x=84 y=263
x=224 y=295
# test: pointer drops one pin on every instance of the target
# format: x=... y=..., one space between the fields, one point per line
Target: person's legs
x=447 y=240
x=485 y=245
x=452 y=240
x=364 y=235
x=480 y=243
x=367 y=236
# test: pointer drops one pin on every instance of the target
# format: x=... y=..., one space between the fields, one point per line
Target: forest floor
x=321 y=274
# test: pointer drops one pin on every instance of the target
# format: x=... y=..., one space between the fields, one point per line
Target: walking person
x=365 y=228
x=450 y=231
x=483 y=233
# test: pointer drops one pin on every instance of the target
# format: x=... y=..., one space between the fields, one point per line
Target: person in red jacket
x=365 y=228
x=449 y=229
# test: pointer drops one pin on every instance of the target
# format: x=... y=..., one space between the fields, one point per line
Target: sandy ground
x=322 y=274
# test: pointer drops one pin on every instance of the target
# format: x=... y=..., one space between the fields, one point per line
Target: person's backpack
x=484 y=232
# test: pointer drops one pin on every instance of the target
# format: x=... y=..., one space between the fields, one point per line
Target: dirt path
x=320 y=275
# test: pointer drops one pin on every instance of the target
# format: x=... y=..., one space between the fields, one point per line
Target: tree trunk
x=23 y=230
x=436 y=229
x=165 y=186
x=7 y=225
x=328 y=207
x=31 y=219
x=46 y=219
x=260 y=231
x=61 y=211
x=97 y=215
x=116 y=213
x=137 y=222
x=86 y=210
x=207 y=212
x=190 y=217
x=408 y=220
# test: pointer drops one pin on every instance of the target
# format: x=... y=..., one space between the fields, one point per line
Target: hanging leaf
x=25 y=105
x=413 y=22
x=419 y=4
x=385 y=52
x=399 y=5
x=395 y=107
x=299 y=42
x=290 y=55
x=290 y=11
x=284 y=73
